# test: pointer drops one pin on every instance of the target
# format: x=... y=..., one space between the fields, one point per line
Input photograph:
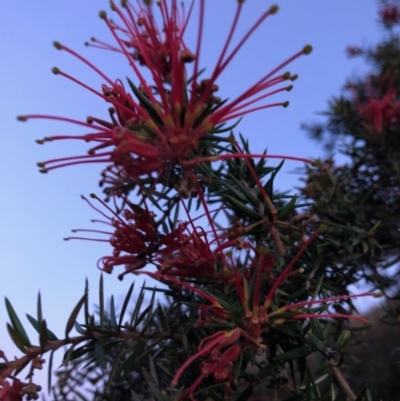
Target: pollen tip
x=286 y=75
x=22 y=118
x=57 y=45
x=307 y=49
x=124 y=3
x=40 y=164
x=274 y=9
x=378 y=295
x=289 y=88
x=93 y=196
x=43 y=171
x=112 y=5
x=55 y=70
x=285 y=104
x=316 y=163
x=294 y=77
x=103 y=14
x=40 y=141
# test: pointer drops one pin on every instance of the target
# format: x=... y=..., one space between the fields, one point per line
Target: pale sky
x=37 y=211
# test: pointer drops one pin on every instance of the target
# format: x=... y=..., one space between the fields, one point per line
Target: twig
x=343 y=383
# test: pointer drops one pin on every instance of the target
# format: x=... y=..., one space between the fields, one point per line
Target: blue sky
x=37 y=211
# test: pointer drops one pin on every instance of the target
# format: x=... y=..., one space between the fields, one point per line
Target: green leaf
x=39 y=308
x=79 y=329
x=153 y=372
x=145 y=103
x=16 y=338
x=132 y=360
x=249 y=212
x=154 y=388
x=365 y=395
x=101 y=301
x=43 y=339
x=283 y=213
x=295 y=353
x=125 y=305
x=100 y=355
x=161 y=319
x=343 y=340
x=317 y=329
x=113 y=316
x=139 y=303
x=135 y=396
x=50 y=371
x=269 y=186
x=317 y=343
x=269 y=369
x=74 y=315
x=246 y=394
x=87 y=315
x=36 y=325
x=245 y=191
x=16 y=325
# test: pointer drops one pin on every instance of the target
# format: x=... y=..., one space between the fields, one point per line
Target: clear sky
x=37 y=211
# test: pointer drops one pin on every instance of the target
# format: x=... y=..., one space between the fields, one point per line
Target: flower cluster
x=381 y=112
x=248 y=273
x=389 y=15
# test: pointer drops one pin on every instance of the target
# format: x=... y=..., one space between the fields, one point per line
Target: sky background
x=37 y=211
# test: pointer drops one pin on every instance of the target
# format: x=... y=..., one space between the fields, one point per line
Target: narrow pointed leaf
x=16 y=324
x=101 y=301
x=125 y=305
x=113 y=317
x=16 y=338
x=87 y=315
x=154 y=388
x=74 y=315
x=43 y=339
x=36 y=325
x=100 y=355
x=39 y=308
x=239 y=205
x=50 y=371
x=295 y=353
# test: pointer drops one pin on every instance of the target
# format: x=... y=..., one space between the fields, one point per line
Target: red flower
x=353 y=51
x=11 y=392
x=135 y=238
x=381 y=112
x=389 y=15
x=163 y=125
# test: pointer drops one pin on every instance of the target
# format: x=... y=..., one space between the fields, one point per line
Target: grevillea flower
x=379 y=112
x=11 y=392
x=389 y=15
x=135 y=238
x=162 y=124
x=220 y=351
